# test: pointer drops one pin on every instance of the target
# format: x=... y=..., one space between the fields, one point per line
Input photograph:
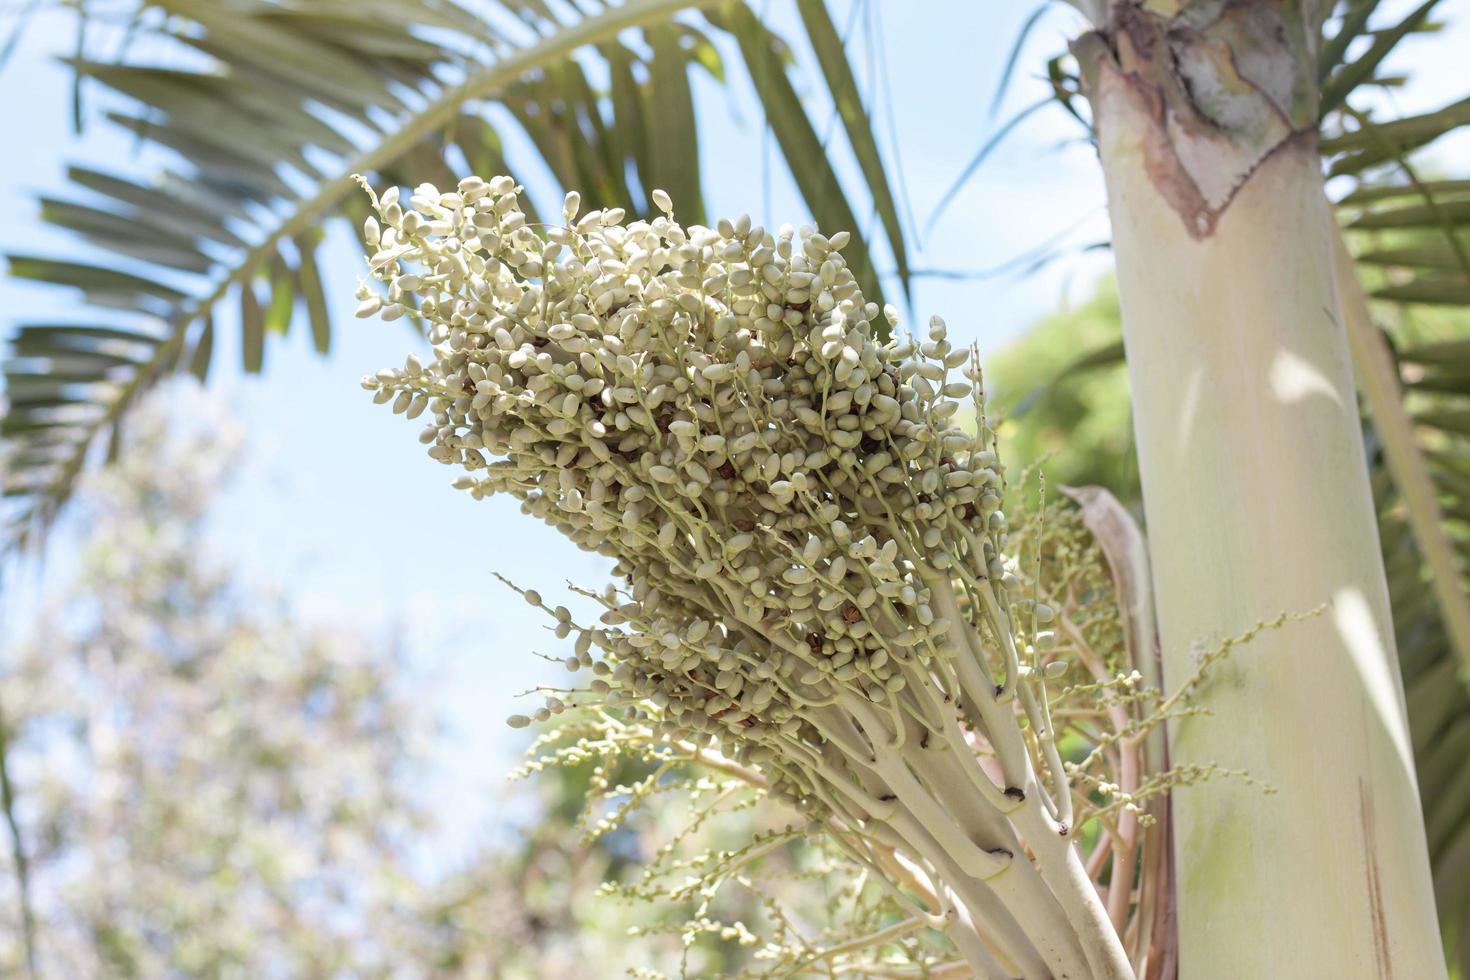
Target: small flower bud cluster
x=787 y=494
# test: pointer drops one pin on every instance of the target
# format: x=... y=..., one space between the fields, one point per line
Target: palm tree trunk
x=1257 y=500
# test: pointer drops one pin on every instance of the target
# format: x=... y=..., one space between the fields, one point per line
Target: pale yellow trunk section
x=1257 y=501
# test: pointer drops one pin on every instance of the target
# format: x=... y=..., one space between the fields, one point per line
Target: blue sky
x=337 y=503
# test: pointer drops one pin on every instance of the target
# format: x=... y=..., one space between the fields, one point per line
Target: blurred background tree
x=207 y=786
x=201 y=783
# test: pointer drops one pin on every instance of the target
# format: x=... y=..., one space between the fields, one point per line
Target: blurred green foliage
x=1060 y=392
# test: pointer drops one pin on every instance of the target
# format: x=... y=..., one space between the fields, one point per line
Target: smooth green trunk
x=1257 y=501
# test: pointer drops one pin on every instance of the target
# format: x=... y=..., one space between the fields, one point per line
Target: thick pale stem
x=1257 y=499
x=1020 y=888
x=1061 y=866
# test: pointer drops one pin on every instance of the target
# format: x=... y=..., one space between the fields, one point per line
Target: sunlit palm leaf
x=269 y=108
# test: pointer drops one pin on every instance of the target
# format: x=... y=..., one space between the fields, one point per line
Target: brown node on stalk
x=1207 y=119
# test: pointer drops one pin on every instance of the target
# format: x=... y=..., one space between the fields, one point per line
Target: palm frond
x=262 y=110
